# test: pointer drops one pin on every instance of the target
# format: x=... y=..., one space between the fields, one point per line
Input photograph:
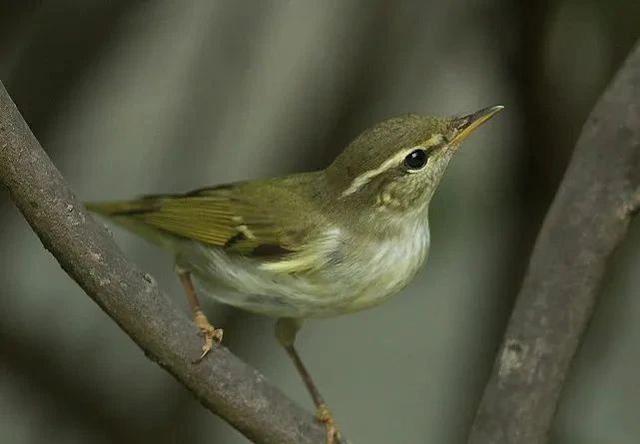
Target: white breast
x=392 y=264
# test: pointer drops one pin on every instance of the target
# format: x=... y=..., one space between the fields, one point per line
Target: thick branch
x=586 y=222
x=223 y=383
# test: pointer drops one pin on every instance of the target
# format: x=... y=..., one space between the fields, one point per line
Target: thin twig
x=224 y=384
x=588 y=219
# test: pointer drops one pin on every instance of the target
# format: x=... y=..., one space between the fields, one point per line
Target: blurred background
x=137 y=97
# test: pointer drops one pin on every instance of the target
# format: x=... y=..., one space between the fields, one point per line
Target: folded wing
x=267 y=220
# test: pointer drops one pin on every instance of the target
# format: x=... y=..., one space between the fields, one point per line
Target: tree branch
x=588 y=219
x=84 y=249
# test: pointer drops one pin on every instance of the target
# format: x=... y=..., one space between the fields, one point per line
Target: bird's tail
x=122 y=208
x=129 y=214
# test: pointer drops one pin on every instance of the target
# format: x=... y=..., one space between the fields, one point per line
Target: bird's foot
x=208 y=331
x=323 y=414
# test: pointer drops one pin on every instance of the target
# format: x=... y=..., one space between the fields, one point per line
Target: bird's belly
x=355 y=282
x=390 y=268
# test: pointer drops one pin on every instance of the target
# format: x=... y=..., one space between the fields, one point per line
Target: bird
x=308 y=245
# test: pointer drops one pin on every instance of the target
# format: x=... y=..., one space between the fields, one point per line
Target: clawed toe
x=323 y=414
x=209 y=332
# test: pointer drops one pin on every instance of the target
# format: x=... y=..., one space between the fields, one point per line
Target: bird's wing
x=268 y=220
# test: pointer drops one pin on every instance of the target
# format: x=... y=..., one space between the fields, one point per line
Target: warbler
x=309 y=245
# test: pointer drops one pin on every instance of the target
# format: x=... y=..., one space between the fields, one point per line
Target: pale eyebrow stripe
x=434 y=140
x=366 y=177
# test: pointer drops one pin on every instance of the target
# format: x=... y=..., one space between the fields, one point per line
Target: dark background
x=137 y=97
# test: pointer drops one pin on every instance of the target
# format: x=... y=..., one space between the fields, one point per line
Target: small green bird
x=313 y=244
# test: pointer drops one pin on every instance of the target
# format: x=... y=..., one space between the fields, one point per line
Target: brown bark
x=588 y=219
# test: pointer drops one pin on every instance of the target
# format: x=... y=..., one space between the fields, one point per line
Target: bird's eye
x=416 y=159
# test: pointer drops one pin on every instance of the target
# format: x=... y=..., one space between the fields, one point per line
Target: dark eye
x=416 y=159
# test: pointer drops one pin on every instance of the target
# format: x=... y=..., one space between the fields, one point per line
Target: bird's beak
x=465 y=125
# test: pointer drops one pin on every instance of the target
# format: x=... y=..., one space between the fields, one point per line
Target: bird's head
x=396 y=165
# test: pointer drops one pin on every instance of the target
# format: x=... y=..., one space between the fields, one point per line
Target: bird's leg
x=209 y=332
x=286 y=330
